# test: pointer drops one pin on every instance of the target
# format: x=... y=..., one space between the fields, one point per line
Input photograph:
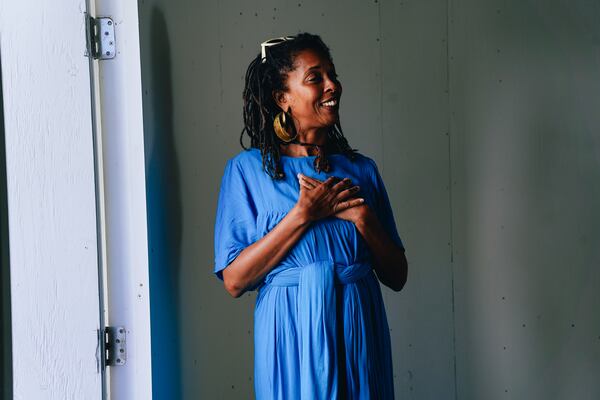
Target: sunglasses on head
x=272 y=42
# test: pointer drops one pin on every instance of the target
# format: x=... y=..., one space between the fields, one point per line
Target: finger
x=347 y=193
x=356 y=202
x=342 y=184
x=314 y=181
x=306 y=183
x=349 y=203
x=330 y=181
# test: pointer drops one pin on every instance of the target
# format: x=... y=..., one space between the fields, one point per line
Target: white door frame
x=127 y=300
x=70 y=212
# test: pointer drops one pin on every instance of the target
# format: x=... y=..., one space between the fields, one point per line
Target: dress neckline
x=284 y=157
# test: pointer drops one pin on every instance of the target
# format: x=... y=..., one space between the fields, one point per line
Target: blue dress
x=320 y=327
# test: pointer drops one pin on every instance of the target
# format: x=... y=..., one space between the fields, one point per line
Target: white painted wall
x=51 y=201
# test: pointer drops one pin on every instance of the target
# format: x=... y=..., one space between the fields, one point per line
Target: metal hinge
x=115 y=345
x=100 y=37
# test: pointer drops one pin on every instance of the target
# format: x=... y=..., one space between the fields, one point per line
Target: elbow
x=398 y=286
x=403 y=278
x=395 y=283
x=233 y=288
x=232 y=284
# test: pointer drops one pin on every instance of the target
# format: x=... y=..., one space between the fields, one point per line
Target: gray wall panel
x=384 y=113
x=413 y=154
x=524 y=89
x=482 y=119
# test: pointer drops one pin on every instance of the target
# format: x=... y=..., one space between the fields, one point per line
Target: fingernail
x=299 y=175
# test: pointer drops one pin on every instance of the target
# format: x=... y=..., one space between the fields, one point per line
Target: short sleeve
x=235 y=221
x=382 y=206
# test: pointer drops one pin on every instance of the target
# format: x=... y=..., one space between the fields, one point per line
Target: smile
x=330 y=104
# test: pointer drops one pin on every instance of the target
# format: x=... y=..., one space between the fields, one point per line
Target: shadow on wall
x=5 y=321
x=163 y=191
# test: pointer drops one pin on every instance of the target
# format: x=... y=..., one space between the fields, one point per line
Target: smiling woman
x=313 y=93
x=313 y=243
x=296 y=83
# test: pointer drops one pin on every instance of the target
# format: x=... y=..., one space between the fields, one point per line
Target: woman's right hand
x=329 y=197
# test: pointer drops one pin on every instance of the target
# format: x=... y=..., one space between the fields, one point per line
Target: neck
x=316 y=137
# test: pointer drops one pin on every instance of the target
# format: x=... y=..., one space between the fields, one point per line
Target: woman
x=290 y=223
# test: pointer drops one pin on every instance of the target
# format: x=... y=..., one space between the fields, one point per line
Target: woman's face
x=310 y=84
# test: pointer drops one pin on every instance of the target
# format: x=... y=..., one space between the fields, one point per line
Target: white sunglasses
x=272 y=42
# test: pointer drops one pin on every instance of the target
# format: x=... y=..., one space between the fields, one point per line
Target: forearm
x=256 y=260
x=389 y=260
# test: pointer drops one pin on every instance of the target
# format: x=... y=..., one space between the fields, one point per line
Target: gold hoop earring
x=282 y=127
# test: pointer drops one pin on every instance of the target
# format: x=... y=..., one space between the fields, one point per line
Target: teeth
x=330 y=103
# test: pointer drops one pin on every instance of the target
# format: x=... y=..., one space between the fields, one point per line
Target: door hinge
x=100 y=37
x=115 y=345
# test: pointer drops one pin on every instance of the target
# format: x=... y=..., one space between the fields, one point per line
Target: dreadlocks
x=260 y=108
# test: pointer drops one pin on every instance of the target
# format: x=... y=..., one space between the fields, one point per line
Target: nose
x=332 y=85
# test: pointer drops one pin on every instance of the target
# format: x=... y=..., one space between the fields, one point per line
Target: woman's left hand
x=352 y=214
x=386 y=253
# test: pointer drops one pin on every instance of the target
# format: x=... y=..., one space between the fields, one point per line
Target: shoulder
x=364 y=163
x=244 y=167
x=244 y=156
x=366 y=160
x=244 y=159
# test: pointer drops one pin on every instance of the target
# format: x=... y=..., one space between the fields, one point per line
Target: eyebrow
x=315 y=67
x=308 y=70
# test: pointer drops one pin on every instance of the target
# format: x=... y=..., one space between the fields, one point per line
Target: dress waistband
x=343 y=274
x=317 y=321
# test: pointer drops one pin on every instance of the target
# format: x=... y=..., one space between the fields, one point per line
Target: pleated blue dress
x=320 y=327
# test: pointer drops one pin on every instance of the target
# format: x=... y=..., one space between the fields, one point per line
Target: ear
x=280 y=99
